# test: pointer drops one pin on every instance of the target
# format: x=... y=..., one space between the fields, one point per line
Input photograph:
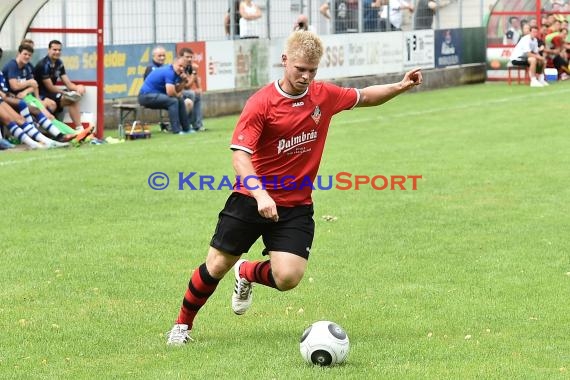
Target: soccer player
x=277 y=144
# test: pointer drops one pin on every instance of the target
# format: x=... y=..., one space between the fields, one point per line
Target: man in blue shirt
x=162 y=89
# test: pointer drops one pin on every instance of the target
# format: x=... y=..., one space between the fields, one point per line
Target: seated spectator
x=232 y=33
x=47 y=73
x=158 y=58
x=192 y=89
x=249 y=23
x=52 y=126
x=526 y=54
x=558 y=53
x=20 y=77
x=344 y=15
x=162 y=89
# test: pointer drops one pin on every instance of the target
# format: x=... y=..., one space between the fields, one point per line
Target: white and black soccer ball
x=324 y=343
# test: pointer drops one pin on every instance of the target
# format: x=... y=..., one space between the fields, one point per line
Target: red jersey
x=285 y=135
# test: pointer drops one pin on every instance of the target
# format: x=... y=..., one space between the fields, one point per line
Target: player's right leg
x=202 y=285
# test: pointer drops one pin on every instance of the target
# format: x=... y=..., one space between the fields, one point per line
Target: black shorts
x=240 y=225
x=57 y=97
x=520 y=61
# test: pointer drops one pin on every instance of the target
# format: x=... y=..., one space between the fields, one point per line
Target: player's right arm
x=244 y=170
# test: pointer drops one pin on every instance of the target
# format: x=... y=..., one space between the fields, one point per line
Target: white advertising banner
x=220 y=61
x=419 y=49
x=350 y=55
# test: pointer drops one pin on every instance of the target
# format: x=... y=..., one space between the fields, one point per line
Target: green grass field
x=465 y=277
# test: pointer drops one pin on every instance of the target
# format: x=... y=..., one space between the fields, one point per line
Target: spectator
x=302 y=23
x=162 y=90
x=249 y=23
x=192 y=89
x=20 y=106
x=526 y=54
x=525 y=29
x=344 y=15
x=557 y=53
x=513 y=33
x=395 y=8
x=158 y=58
x=20 y=77
x=425 y=12
x=232 y=33
x=371 y=14
x=47 y=73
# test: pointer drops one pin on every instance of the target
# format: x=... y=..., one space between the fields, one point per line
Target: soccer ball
x=324 y=343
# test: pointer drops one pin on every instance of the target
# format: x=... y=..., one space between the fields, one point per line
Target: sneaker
x=543 y=82
x=242 y=297
x=201 y=129
x=178 y=336
x=57 y=144
x=535 y=83
x=83 y=134
x=5 y=144
x=72 y=96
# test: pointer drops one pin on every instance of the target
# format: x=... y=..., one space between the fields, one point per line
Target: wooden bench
x=133 y=112
x=126 y=111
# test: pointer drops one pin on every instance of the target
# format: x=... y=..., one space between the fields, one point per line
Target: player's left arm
x=380 y=94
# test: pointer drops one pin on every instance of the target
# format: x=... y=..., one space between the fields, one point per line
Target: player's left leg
x=288 y=243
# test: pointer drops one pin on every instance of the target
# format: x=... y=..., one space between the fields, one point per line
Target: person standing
x=249 y=23
x=276 y=146
x=425 y=12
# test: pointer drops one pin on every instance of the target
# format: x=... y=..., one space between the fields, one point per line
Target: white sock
x=46 y=124
x=33 y=132
x=22 y=136
x=25 y=112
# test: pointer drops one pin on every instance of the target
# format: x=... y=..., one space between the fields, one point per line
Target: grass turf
x=462 y=278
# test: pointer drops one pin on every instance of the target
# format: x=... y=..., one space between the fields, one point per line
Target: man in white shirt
x=395 y=7
x=526 y=53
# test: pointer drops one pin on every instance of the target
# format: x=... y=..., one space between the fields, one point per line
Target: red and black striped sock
x=258 y=271
x=200 y=288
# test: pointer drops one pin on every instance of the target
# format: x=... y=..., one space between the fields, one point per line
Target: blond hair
x=304 y=44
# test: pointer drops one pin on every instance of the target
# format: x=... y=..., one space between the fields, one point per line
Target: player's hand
x=412 y=78
x=32 y=83
x=266 y=207
x=80 y=89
